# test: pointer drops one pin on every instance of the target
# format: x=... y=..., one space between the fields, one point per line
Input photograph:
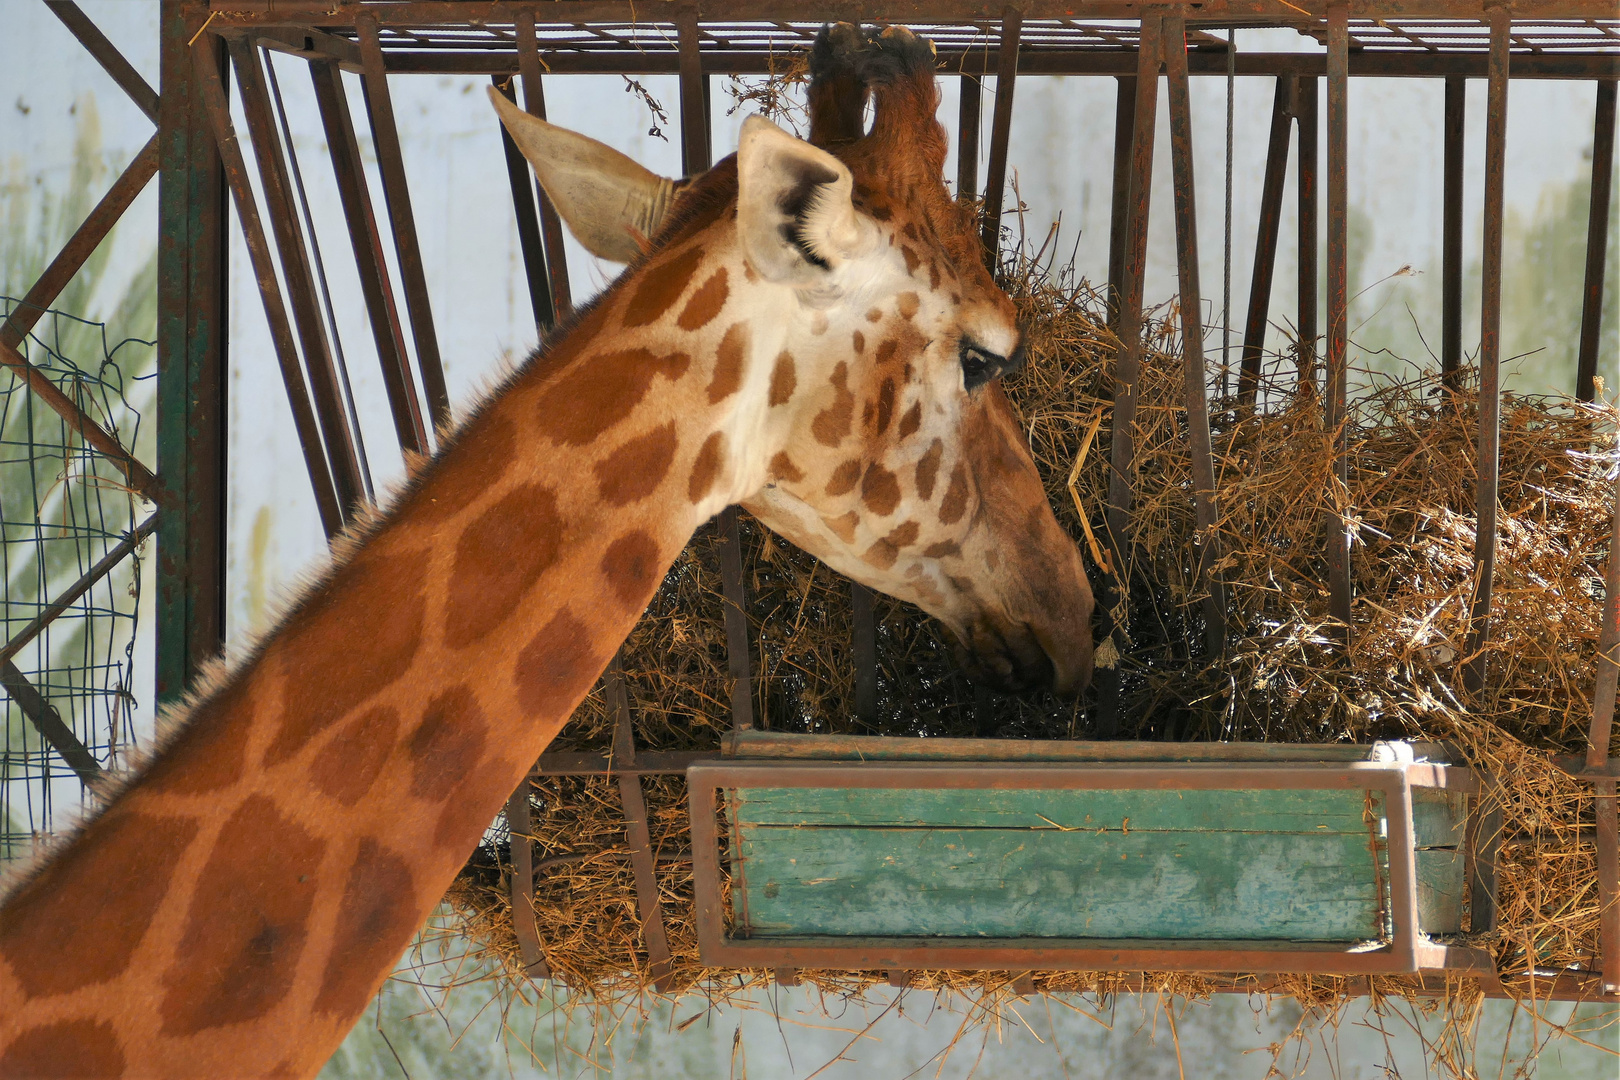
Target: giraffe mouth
x=1009 y=659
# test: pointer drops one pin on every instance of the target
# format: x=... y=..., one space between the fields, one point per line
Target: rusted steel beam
x=551 y=234
x=995 y=174
x=1597 y=760
x=735 y=602
x=81 y=245
x=528 y=222
x=590 y=763
x=65 y=599
x=364 y=238
x=1490 y=354
x=1265 y=241
x=1305 y=112
x=1336 y=383
x=1597 y=239
x=695 y=152
x=865 y=641
x=525 y=924
x=1124 y=125
x=336 y=436
x=967 y=137
x=212 y=90
x=637 y=837
x=107 y=55
x=1192 y=333
x=48 y=722
x=397 y=197
x=1451 y=252
x=1127 y=367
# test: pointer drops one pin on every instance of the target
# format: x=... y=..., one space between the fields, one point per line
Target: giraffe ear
x=611 y=204
x=794 y=209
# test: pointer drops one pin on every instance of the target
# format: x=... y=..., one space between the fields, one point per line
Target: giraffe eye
x=979 y=365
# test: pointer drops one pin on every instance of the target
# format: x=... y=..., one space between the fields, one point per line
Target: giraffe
x=809 y=332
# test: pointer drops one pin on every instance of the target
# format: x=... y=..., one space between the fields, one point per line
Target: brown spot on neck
x=910 y=422
x=447 y=743
x=597 y=393
x=375 y=917
x=556 y=668
x=705 y=303
x=728 y=364
x=353 y=758
x=498 y=559
x=885 y=406
x=660 y=285
x=832 y=423
x=844 y=478
x=711 y=458
x=784 y=379
x=65 y=1050
x=631 y=567
x=783 y=468
x=843 y=526
x=634 y=471
x=880 y=491
x=954 y=504
x=928 y=468
x=859 y=342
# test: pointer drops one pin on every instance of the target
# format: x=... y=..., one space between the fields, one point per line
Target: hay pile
x=1410 y=498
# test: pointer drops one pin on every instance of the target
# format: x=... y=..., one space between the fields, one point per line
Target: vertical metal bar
x=528 y=222
x=191 y=357
x=1338 y=251
x=1305 y=111
x=1597 y=239
x=1124 y=125
x=397 y=197
x=525 y=924
x=375 y=287
x=295 y=270
x=212 y=93
x=1597 y=759
x=738 y=662
x=1192 y=330
x=1451 y=251
x=865 y=655
x=967 y=137
x=695 y=155
x=643 y=861
x=1490 y=348
x=534 y=100
x=995 y=176
x=1265 y=241
x=1128 y=361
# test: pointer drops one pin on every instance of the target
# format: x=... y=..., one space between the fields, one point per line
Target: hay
x=1410 y=500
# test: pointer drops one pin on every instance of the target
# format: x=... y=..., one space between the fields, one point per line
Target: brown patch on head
x=907 y=303
x=728 y=364
x=447 y=743
x=874 y=315
x=340 y=647
x=910 y=422
x=355 y=755
x=782 y=468
x=595 y=394
x=904 y=535
x=843 y=526
x=880 y=211
x=880 y=491
x=912 y=260
x=886 y=351
x=705 y=303
x=933 y=276
x=247 y=923
x=844 y=478
x=910 y=231
x=784 y=379
x=632 y=567
x=928 y=469
x=65 y=1050
x=954 y=504
x=498 y=559
x=375 y=920
x=79 y=920
x=832 y=423
x=556 y=668
x=859 y=342
x=660 y=285
x=634 y=471
x=484 y=450
x=885 y=406
x=941 y=550
x=711 y=458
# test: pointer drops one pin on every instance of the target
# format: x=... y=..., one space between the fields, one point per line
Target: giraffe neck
x=235 y=908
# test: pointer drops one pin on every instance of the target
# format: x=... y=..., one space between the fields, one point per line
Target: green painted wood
x=1049 y=883
x=1442 y=883
x=1322 y=811
x=1439 y=818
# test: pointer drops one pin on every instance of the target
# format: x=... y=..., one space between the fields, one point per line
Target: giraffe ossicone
x=807 y=330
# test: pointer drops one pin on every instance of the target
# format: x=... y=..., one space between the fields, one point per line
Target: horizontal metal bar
x=122 y=71
x=1020 y=775
x=101 y=569
x=590 y=763
x=1575 y=765
x=49 y=723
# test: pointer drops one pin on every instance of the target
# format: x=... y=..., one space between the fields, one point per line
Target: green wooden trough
x=876 y=853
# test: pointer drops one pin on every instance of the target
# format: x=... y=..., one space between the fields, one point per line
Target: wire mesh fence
x=65 y=514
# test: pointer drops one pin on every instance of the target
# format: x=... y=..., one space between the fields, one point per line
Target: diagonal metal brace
x=49 y=722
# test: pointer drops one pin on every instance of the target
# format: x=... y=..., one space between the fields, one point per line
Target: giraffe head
x=872 y=430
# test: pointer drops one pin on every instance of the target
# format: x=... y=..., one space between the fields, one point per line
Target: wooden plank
x=1439 y=818
x=1335 y=812
x=1026 y=883
x=1442 y=880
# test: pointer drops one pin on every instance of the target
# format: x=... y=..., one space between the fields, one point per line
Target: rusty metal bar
x=534 y=100
x=48 y=722
x=64 y=600
x=590 y=763
x=1597 y=239
x=1597 y=759
x=865 y=655
x=397 y=197
x=1127 y=366
x=1305 y=112
x=995 y=175
x=1490 y=352
x=528 y=222
x=1451 y=257
x=1265 y=242
x=637 y=837
x=107 y=55
x=295 y=269
x=695 y=153
x=81 y=245
x=525 y=924
x=1335 y=390
x=738 y=662
x=967 y=137
x=212 y=91
x=1124 y=125
x=375 y=287
x=1192 y=332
